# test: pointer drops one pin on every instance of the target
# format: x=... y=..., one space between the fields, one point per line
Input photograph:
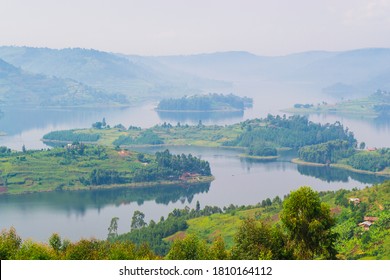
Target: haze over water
x=239 y=182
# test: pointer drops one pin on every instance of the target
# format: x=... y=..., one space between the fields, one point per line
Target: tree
x=55 y=242
x=309 y=225
x=362 y=146
x=189 y=248
x=9 y=244
x=197 y=206
x=137 y=221
x=252 y=241
x=113 y=228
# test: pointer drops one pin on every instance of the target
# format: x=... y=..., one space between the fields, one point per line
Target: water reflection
x=79 y=202
x=330 y=174
x=205 y=117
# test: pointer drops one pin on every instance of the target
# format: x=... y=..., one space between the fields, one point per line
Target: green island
x=341 y=154
x=327 y=144
x=305 y=224
x=78 y=166
x=211 y=102
x=374 y=106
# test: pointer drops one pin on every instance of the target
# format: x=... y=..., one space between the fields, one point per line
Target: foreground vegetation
x=305 y=225
x=78 y=166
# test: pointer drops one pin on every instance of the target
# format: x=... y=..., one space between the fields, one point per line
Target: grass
x=61 y=169
x=356 y=246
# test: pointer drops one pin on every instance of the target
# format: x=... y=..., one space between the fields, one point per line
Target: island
x=78 y=166
x=261 y=139
x=377 y=105
x=212 y=102
x=341 y=154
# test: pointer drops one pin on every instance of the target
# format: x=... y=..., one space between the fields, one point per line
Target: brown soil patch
x=177 y=236
x=124 y=153
x=336 y=210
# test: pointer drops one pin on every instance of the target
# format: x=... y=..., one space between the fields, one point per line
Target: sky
x=180 y=27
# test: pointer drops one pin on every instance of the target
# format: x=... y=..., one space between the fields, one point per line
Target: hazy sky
x=146 y=27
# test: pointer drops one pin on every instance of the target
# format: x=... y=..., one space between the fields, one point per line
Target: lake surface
x=237 y=181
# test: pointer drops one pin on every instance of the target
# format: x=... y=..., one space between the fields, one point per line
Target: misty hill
x=342 y=74
x=133 y=76
x=349 y=72
x=18 y=87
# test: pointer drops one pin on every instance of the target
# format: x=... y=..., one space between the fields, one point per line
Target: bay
x=238 y=181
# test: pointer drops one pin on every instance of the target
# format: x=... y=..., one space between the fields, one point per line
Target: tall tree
x=309 y=225
x=138 y=220
x=113 y=228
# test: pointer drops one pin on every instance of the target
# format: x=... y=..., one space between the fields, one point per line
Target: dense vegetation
x=292 y=132
x=326 y=153
x=79 y=166
x=316 y=143
x=306 y=225
x=146 y=137
x=210 y=102
x=71 y=136
x=374 y=161
x=341 y=152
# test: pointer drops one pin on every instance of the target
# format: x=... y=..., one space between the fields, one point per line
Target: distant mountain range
x=357 y=72
x=81 y=77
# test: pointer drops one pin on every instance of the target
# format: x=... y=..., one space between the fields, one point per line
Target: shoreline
x=192 y=181
x=261 y=158
x=340 y=166
x=199 y=111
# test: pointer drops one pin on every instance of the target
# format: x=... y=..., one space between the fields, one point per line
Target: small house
x=354 y=200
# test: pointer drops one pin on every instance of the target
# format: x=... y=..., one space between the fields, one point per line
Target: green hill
x=18 y=87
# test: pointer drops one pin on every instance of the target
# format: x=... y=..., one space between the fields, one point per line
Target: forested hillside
x=343 y=224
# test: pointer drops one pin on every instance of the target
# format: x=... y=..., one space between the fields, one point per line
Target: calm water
x=240 y=182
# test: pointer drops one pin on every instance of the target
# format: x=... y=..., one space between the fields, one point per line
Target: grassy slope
x=36 y=171
x=356 y=246
x=209 y=136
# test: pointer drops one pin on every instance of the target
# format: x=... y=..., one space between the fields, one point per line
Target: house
x=366 y=225
x=354 y=200
x=368 y=221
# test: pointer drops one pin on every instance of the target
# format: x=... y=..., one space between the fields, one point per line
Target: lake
x=237 y=181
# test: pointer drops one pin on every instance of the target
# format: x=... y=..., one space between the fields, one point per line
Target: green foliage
x=189 y=248
x=309 y=225
x=371 y=160
x=137 y=221
x=260 y=150
x=146 y=137
x=325 y=153
x=9 y=244
x=210 y=102
x=71 y=136
x=293 y=132
x=79 y=166
x=113 y=228
x=306 y=231
x=4 y=151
